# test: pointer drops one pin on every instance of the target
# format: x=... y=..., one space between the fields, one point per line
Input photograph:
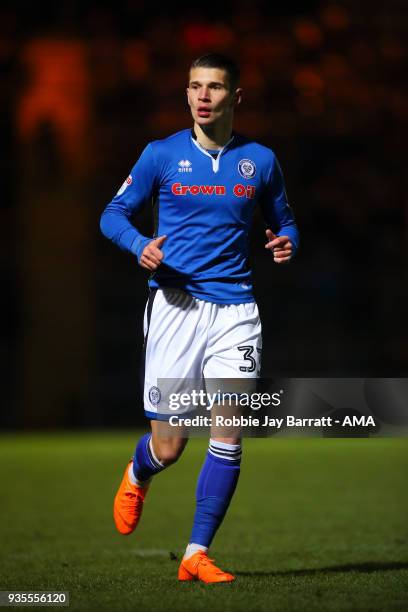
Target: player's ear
x=188 y=96
x=238 y=96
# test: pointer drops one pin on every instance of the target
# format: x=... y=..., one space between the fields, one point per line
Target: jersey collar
x=215 y=160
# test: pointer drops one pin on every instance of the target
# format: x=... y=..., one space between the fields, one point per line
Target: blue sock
x=145 y=463
x=215 y=488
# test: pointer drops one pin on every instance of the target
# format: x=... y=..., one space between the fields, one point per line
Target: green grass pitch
x=316 y=524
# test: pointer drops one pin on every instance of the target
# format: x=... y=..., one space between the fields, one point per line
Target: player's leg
x=220 y=472
x=215 y=487
x=167 y=323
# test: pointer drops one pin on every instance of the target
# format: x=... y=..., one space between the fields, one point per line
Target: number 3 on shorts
x=248 y=352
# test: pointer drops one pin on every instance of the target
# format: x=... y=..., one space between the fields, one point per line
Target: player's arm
x=282 y=233
x=131 y=198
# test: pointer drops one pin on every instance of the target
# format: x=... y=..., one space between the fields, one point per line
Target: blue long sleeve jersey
x=204 y=204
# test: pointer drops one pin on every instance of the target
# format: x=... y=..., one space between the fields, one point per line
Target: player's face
x=210 y=97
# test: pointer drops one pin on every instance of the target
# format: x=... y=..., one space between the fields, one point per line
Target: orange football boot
x=128 y=504
x=200 y=567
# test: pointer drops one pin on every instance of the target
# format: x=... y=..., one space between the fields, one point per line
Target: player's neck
x=213 y=137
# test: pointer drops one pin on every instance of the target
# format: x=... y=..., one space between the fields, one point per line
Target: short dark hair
x=217 y=60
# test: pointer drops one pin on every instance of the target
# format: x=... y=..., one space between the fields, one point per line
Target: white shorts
x=189 y=338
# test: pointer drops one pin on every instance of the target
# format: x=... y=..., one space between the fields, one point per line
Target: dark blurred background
x=86 y=85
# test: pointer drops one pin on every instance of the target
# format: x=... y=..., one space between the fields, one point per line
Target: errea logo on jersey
x=185 y=165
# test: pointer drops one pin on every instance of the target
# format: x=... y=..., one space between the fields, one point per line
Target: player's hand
x=280 y=246
x=152 y=255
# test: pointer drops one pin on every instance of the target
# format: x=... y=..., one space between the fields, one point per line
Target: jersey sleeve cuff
x=293 y=235
x=138 y=246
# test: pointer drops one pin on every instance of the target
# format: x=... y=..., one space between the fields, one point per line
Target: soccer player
x=201 y=320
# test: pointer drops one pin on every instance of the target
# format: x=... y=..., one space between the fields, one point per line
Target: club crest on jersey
x=185 y=165
x=125 y=184
x=154 y=395
x=247 y=168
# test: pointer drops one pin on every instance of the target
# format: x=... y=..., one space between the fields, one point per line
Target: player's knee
x=168 y=451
